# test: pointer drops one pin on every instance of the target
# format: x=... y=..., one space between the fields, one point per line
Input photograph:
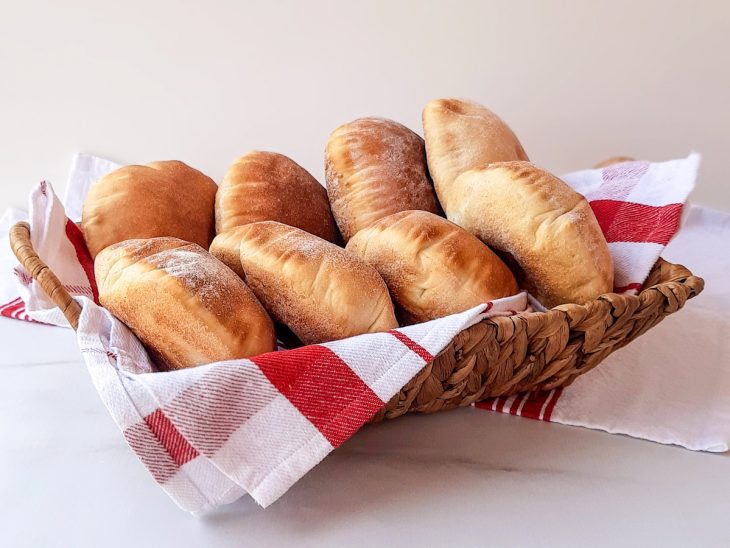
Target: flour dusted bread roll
x=461 y=135
x=375 y=167
x=547 y=228
x=431 y=266
x=319 y=290
x=158 y=199
x=266 y=186
x=184 y=305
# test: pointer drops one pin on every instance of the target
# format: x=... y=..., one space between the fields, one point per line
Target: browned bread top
x=461 y=135
x=267 y=186
x=158 y=199
x=375 y=167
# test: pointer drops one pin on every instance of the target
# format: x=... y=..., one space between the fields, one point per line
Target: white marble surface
x=462 y=478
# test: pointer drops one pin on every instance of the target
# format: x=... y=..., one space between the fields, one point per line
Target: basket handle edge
x=22 y=247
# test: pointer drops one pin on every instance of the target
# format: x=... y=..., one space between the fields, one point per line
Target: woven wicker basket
x=497 y=356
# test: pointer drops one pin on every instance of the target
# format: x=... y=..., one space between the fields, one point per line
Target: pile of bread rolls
x=204 y=273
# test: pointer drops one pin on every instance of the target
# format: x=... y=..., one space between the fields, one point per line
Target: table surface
x=465 y=477
x=462 y=478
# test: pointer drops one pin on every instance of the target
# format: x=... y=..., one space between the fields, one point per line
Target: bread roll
x=375 y=167
x=548 y=229
x=461 y=135
x=226 y=247
x=158 y=199
x=266 y=186
x=431 y=266
x=184 y=305
x=319 y=290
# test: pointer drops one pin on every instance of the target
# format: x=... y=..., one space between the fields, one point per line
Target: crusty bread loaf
x=547 y=228
x=266 y=186
x=461 y=135
x=184 y=305
x=375 y=167
x=157 y=199
x=319 y=290
x=431 y=266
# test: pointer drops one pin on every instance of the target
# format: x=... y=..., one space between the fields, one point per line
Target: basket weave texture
x=498 y=356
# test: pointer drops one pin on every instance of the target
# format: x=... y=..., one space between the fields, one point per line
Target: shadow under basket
x=498 y=356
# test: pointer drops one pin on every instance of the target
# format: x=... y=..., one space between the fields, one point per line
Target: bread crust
x=461 y=135
x=432 y=267
x=159 y=199
x=185 y=306
x=549 y=229
x=267 y=186
x=319 y=290
x=375 y=167
x=226 y=247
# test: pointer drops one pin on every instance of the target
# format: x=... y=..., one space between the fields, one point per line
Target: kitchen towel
x=672 y=384
x=210 y=434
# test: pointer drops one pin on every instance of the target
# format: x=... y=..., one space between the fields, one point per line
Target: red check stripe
x=151 y=452
x=13 y=306
x=537 y=405
x=177 y=446
x=323 y=388
x=75 y=236
x=633 y=286
x=551 y=404
x=534 y=404
x=632 y=222
x=15 y=310
x=412 y=345
x=499 y=404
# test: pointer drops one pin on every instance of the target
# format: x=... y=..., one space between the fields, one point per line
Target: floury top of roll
x=485 y=184
x=278 y=260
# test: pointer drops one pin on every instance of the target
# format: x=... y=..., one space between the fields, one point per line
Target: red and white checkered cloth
x=210 y=434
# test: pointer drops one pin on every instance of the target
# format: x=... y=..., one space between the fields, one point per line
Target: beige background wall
x=205 y=81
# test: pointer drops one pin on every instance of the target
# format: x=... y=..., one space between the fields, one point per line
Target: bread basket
x=498 y=356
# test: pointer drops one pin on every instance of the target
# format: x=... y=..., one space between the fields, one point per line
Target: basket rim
x=22 y=246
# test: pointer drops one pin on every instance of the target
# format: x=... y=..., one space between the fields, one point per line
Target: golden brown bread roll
x=266 y=186
x=431 y=266
x=158 y=199
x=375 y=167
x=548 y=228
x=461 y=135
x=319 y=290
x=184 y=305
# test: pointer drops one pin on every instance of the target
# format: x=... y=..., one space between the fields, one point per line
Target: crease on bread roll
x=461 y=135
x=185 y=306
x=226 y=247
x=159 y=199
x=267 y=186
x=548 y=229
x=432 y=267
x=375 y=167
x=317 y=289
